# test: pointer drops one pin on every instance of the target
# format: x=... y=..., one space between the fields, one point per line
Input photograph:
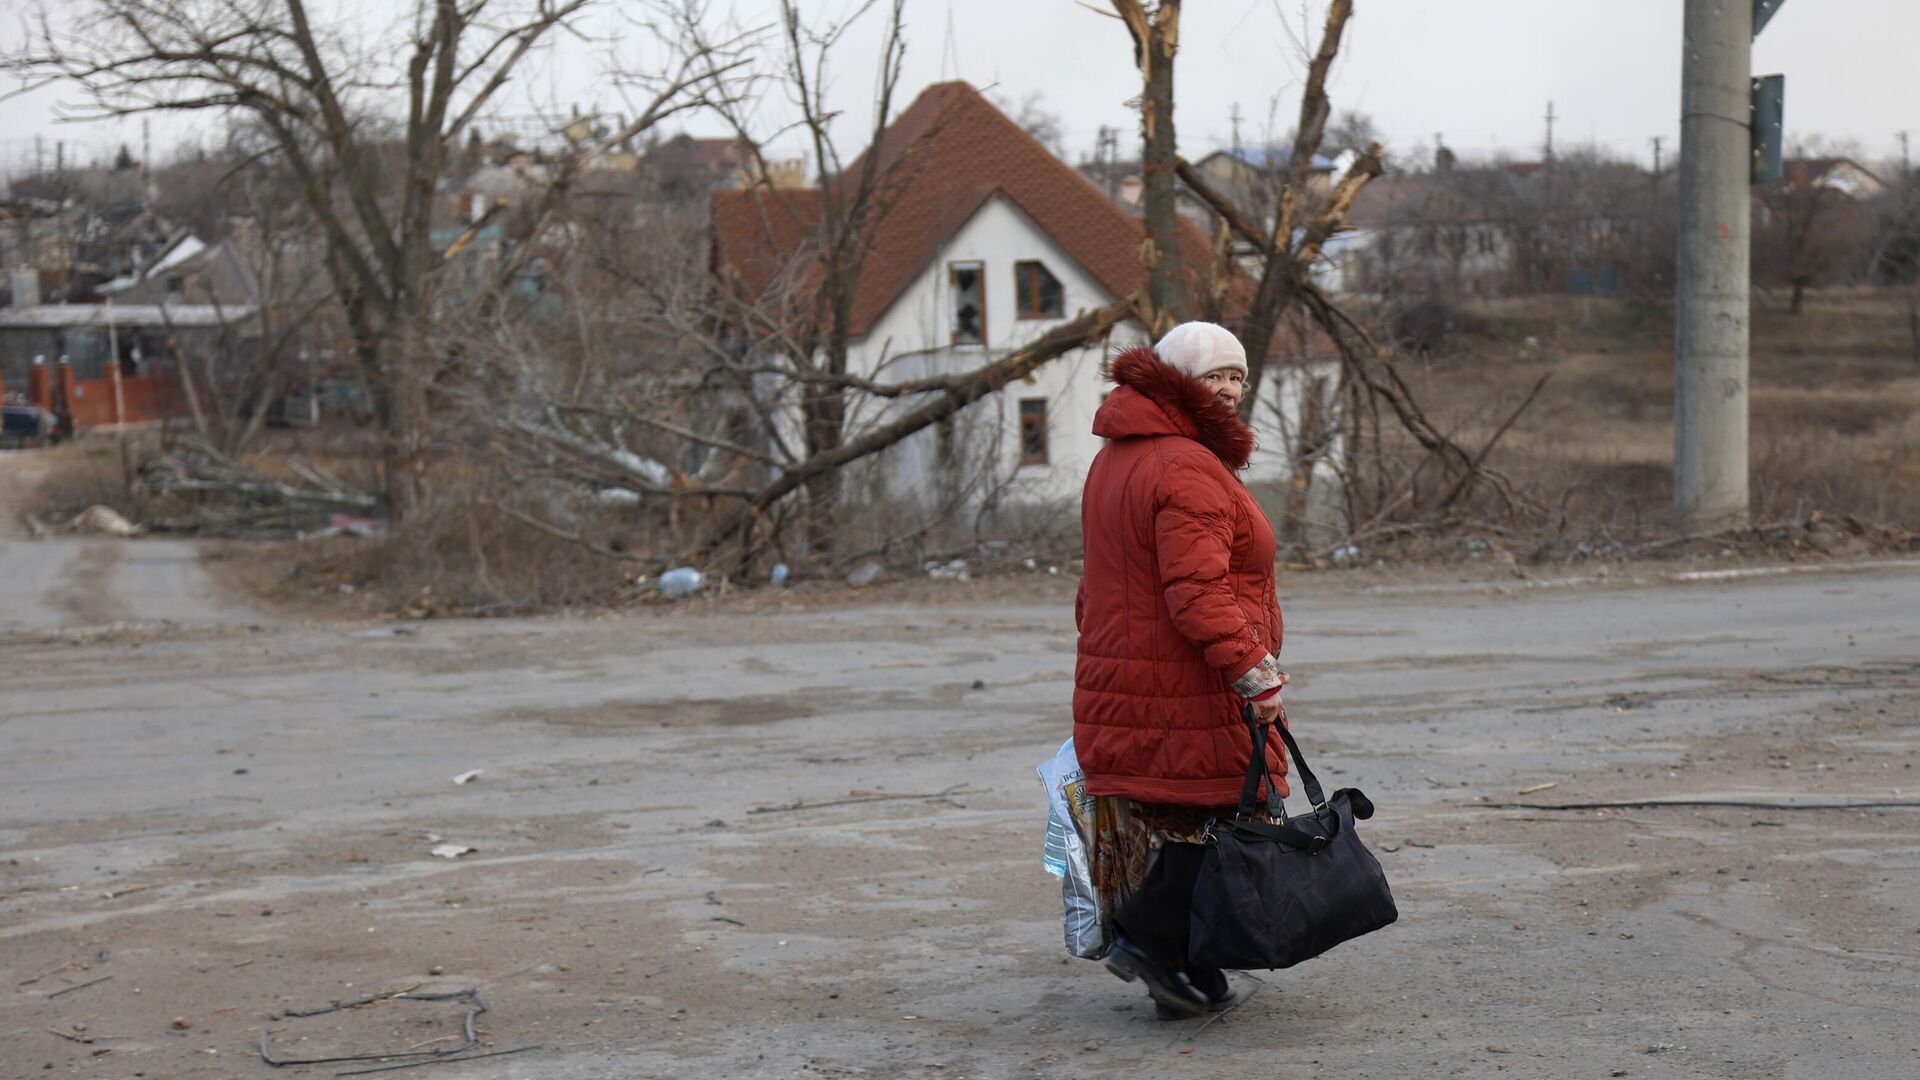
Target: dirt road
x=233 y=817
x=66 y=580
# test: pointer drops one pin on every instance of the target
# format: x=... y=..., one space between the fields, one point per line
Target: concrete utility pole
x=1712 y=328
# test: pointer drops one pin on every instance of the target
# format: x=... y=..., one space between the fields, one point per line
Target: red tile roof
x=944 y=157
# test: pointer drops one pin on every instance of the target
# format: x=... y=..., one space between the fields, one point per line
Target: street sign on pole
x=1769 y=126
x=1762 y=11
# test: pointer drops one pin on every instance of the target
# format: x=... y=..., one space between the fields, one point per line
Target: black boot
x=1213 y=985
x=1169 y=990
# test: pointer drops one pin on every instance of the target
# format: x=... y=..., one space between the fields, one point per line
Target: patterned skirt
x=1128 y=833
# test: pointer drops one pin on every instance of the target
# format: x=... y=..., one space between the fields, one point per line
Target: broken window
x=1038 y=293
x=964 y=281
x=1033 y=431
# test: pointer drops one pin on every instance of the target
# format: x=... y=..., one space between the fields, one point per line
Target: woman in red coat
x=1179 y=623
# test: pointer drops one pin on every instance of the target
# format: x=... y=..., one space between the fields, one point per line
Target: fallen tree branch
x=81 y=986
x=170 y=474
x=1388 y=386
x=906 y=388
x=653 y=475
x=1087 y=328
x=672 y=429
x=647 y=476
x=1473 y=467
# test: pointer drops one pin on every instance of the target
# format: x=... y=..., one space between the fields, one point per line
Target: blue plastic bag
x=1066 y=853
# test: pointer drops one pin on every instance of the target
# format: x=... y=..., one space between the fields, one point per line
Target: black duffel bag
x=1270 y=895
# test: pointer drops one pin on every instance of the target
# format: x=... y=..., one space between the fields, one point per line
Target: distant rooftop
x=1275 y=157
x=48 y=316
x=182 y=250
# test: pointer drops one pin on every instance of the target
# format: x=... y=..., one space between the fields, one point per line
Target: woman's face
x=1229 y=384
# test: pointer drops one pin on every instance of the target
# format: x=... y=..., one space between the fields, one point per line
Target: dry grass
x=69 y=478
x=458 y=558
x=1835 y=409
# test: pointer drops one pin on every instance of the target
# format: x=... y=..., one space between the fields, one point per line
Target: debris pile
x=209 y=493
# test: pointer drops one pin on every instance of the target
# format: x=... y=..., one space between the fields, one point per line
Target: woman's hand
x=1265 y=711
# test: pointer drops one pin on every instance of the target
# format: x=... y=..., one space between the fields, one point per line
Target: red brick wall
x=149 y=397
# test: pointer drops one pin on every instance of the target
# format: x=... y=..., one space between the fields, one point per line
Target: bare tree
x=1288 y=248
x=1809 y=233
x=368 y=127
x=808 y=323
x=721 y=414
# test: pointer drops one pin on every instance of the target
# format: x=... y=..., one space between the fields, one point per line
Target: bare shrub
x=70 y=478
x=463 y=558
x=1435 y=325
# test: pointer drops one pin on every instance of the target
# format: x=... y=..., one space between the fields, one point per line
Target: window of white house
x=1037 y=293
x=965 y=281
x=1033 y=431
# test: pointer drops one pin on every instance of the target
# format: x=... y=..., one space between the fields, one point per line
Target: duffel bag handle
x=1257 y=768
x=1307 y=780
x=1325 y=826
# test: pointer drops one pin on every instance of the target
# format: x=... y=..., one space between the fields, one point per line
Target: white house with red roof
x=989 y=241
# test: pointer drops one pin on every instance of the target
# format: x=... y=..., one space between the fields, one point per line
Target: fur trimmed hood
x=1155 y=398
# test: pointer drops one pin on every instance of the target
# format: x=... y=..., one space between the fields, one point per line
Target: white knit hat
x=1199 y=348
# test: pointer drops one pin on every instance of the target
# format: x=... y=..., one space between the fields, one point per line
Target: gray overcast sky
x=1479 y=71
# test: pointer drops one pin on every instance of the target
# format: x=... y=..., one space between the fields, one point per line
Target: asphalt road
x=230 y=816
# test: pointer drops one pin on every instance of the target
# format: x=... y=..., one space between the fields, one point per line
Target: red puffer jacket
x=1178 y=609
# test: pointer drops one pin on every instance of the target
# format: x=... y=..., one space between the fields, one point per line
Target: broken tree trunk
x=1288 y=258
x=1289 y=264
x=1156 y=38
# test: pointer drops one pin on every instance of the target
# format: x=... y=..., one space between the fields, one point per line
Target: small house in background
x=98 y=364
x=1844 y=175
x=1571 y=225
x=1253 y=176
x=188 y=269
x=1413 y=233
x=988 y=241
